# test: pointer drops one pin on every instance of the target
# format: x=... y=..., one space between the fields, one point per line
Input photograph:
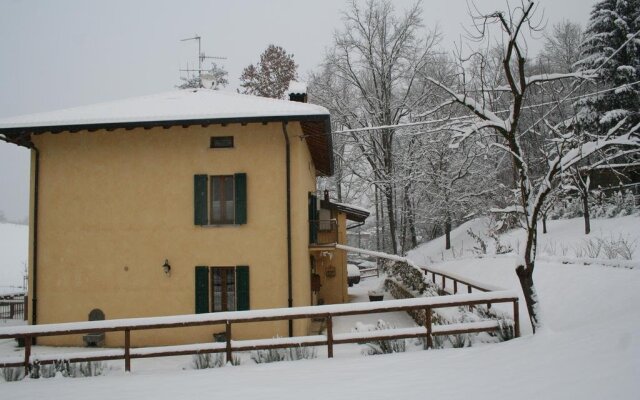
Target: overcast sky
x=59 y=54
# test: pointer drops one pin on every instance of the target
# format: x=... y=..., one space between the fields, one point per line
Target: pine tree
x=271 y=76
x=612 y=23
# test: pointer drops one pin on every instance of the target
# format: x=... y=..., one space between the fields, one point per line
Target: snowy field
x=14 y=241
x=589 y=347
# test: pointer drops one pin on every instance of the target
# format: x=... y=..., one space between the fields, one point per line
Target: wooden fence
x=328 y=312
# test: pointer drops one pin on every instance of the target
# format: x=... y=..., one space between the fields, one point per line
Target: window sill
x=220 y=225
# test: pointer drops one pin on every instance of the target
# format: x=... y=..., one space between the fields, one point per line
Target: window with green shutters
x=221 y=289
x=220 y=199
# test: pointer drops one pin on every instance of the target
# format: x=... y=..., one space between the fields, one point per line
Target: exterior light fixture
x=166 y=267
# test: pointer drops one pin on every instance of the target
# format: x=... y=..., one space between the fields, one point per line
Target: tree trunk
x=585 y=210
x=447 y=233
x=391 y=216
x=376 y=199
x=525 y=276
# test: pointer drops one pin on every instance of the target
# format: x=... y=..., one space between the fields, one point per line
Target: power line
x=557 y=104
x=436 y=121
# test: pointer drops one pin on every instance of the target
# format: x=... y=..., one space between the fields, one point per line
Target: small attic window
x=221 y=142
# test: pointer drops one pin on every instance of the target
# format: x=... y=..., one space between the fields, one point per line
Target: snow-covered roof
x=177 y=105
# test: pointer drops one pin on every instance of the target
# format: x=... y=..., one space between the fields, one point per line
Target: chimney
x=297 y=91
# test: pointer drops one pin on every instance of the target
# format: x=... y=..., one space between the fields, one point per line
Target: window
x=222 y=208
x=221 y=142
x=220 y=199
x=221 y=289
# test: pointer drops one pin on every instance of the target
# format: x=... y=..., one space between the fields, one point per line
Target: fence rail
x=328 y=312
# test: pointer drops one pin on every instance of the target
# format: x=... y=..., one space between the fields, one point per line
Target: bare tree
x=561 y=148
x=376 y=61
x=562 y=46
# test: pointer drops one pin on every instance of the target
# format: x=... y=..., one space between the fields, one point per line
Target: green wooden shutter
x=202 y=290
x=242 y=288
x=313 y=219
x=200 y=199
x=241 y=198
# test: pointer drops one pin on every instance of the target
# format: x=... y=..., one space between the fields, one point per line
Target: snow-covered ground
x=14 y=241
x=589 y=347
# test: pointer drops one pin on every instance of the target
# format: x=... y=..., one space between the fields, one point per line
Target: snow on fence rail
x=328 y=312
x=471 y=284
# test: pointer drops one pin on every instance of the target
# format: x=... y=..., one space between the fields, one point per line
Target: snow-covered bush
x=411 y=277
x=481 y=244
x=12 y=374
x=381 y=346
x=610 y=248
x=204 y=361
x=288 y=354
x=67 y=369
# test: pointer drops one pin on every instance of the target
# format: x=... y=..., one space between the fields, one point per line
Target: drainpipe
x=289 y=277
x=34 y=278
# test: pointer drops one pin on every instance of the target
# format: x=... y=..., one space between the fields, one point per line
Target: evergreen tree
x=612 y=23
x=271 y=76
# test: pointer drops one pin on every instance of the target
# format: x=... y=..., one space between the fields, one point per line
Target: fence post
x=516 y=318
x=329 y=336
x=127 y=350
x=444 y=283
x=27 y=354
x=455 y=286
x=427 y=324
x=433 y=277
x=228 y=337
x=469 y=289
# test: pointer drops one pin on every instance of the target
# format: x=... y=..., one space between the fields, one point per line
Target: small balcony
x=323 y=234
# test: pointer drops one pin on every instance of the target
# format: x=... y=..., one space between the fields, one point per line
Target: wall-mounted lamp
x=166 y=267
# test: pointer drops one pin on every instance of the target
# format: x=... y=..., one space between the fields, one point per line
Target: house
x=185 y=202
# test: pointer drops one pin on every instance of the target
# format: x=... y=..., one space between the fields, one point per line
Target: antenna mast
x=201 y=57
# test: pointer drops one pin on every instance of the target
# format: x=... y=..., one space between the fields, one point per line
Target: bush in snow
x=411 y=277
x=12 y=374
x=481 y=245
x=610 y=248
x=204 y=361
x=459 y=341
x=288 y=354
x=67 y=369
x=381 y=346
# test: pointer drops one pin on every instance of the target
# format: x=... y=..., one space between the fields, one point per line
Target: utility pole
x=201 y=58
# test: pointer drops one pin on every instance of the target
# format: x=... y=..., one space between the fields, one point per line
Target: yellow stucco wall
x=114 y=205
x=334 y=289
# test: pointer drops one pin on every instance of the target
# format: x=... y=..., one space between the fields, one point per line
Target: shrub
x=381 y=346
x=287 y=354
x=67 y=369
x=207 y=360
x=12 y=374
x=481 y=247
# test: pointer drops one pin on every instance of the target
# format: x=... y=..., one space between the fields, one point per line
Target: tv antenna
x=201 y=57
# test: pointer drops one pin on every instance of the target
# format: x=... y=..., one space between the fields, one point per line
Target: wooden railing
x=328 y=312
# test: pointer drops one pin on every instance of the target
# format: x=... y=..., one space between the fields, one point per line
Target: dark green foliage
x=611 y=24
